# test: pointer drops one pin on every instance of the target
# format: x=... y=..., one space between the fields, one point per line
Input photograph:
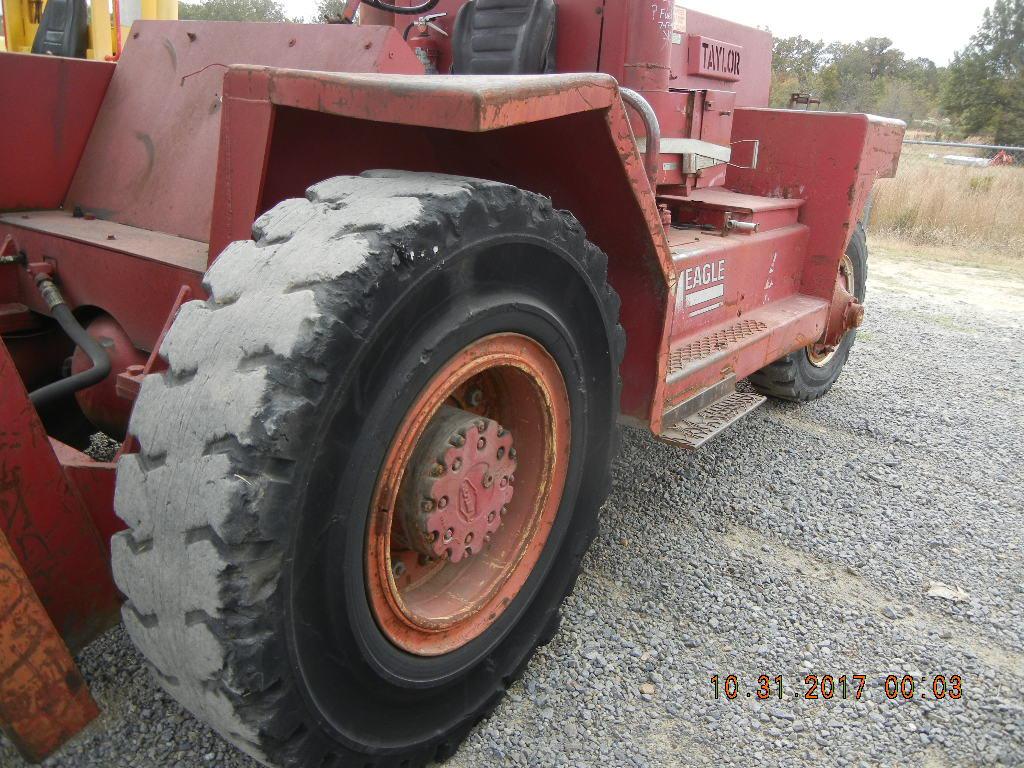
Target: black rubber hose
x=97 y=354
x=415 y=10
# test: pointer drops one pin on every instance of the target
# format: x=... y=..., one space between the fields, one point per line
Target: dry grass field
x=959 y=214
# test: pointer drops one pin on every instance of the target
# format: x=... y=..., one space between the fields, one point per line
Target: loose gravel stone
x=800 y=542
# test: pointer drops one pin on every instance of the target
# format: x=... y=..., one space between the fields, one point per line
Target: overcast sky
x=918 y=27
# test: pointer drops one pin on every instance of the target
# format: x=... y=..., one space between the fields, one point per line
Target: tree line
x=981 y=92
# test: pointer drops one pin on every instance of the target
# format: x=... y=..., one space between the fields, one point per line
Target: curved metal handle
x=652 y=153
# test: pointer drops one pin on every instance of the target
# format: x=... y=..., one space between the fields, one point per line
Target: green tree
x=985 y=89
x=866 y=76
x=233 y=10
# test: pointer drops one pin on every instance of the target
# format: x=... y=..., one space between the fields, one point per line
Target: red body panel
x=149 y=162
x=796 y=147
x=47 y=524
x=523 y=130
x=47 y=108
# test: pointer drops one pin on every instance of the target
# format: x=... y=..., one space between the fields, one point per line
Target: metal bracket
x=753 y=160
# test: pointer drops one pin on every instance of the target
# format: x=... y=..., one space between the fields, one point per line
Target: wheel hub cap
x=460 y=485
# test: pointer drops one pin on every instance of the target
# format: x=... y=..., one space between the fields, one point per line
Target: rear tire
x=248 y=503
x=801 y=376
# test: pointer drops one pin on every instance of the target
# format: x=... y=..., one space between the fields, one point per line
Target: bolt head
x=476 y=396
x=501 y=452
x=442 y=502
x=448 y=535
x=427 y=505
x=512 y=453
x=488 y=481
x=456 y=465
x=490 y=516
x=469 y=538
x=481 y=444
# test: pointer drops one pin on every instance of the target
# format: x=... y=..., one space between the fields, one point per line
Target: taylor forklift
x=365 y=334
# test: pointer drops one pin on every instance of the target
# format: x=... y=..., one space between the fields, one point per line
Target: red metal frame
x=47 y=523
x=47 y=108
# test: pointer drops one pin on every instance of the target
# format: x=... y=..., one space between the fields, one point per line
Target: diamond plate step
x=699 y=427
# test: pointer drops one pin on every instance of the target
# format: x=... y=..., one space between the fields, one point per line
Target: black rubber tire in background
x=260 y=446
x=794 y=377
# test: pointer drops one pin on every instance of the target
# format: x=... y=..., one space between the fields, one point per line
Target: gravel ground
x=800 y=542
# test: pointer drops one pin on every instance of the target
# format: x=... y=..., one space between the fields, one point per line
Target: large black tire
x=248 y=502
x=796 y=377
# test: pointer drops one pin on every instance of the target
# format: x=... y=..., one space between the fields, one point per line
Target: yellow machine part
x=106 y=36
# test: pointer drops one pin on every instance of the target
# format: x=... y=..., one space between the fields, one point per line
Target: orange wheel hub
x=469 y=490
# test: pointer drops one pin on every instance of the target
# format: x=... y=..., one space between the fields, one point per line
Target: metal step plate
x=695 y=430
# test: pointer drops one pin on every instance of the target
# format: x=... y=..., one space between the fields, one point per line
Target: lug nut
x=469 y=538
x=512 y=453
x=427 y=505
x=448 y=535
x=434 y=535
x=504 y=482
x=488 y=481
x=481 y=444
x=456 y=465
x=490 y=516
x=437 y=470
x=457 y=440
x=476 y=397
x=398 y=569
x=501 y=451
x=442 y=502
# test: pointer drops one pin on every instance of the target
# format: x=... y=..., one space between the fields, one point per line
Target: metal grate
x=708 y=345
x=694 y=431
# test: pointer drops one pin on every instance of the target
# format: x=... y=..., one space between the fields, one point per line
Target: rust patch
x=43 y=699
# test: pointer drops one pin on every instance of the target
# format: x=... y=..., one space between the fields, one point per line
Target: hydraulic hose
x=97 y=354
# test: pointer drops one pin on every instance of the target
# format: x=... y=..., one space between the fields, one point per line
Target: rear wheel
x=809 y=373
x=369 y=476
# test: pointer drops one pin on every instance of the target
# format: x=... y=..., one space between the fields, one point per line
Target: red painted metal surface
x=136 y=285
x=47 y=524
x=94 y=481
x=161 y=116
x=43 y=699
x=795 y=147
x=47 y=108
x=101 y=403
x=522 y=130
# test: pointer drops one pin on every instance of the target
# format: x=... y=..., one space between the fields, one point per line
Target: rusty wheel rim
x=503 y=403
x=818 y=354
